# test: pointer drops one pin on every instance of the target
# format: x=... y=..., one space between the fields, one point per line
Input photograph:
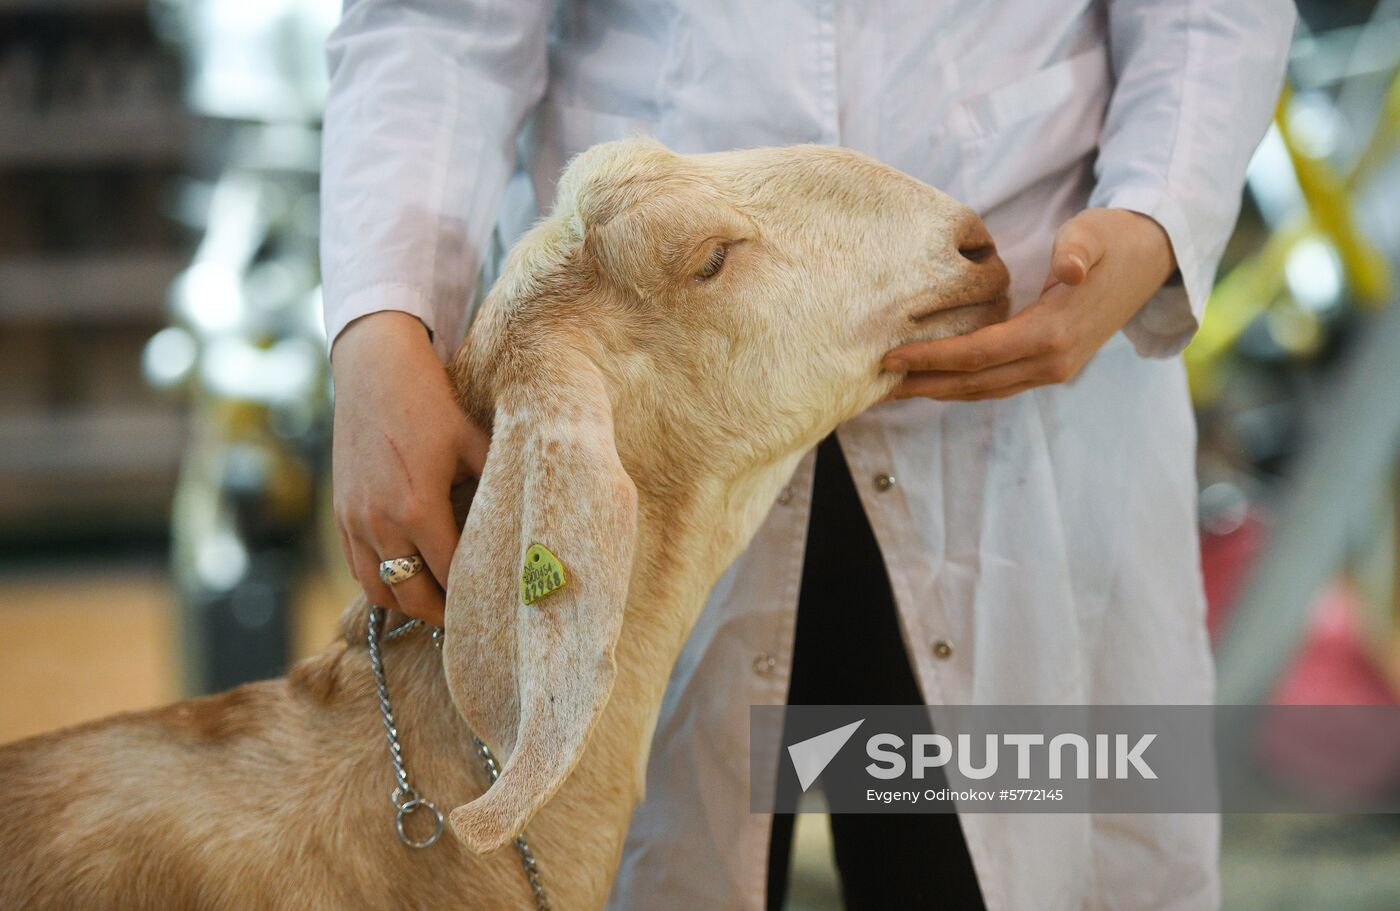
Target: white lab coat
x=1049 y=539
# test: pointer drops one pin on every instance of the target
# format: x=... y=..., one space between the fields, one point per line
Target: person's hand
x=401 y=442
x=1105 y=264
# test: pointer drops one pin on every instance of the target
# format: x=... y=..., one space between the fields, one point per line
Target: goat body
x=656 y=358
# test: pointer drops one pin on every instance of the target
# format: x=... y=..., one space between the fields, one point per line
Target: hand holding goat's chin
x=1105 y=264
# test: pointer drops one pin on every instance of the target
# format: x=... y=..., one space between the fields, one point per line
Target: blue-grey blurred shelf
x=88 y=468
x=111 y=287
x=141 y=136
x=74 y=6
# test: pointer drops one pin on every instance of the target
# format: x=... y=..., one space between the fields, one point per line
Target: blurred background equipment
x=1294 y=372
x=245 y=348
x=164 y=416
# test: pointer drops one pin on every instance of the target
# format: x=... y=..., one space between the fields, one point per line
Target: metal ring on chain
x=405 y=797
x=408 y=809
x=400 y=569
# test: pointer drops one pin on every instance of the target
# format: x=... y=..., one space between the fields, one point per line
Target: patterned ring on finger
x=400 y=569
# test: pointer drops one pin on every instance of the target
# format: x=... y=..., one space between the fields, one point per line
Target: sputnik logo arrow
x=811 y=756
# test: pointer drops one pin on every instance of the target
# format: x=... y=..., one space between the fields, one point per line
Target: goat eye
x=713 y=264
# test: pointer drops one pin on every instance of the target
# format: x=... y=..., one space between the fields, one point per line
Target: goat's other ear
x=532 y=679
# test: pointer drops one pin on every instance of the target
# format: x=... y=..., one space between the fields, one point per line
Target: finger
x=956 y=385
x=1077 y=251
x=1005 y=392
x=437 y=536
x=365 y=562
x=345 y=549
x=1017 y=338
x=419 y=596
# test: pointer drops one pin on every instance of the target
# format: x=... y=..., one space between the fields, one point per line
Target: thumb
x=1078 y=249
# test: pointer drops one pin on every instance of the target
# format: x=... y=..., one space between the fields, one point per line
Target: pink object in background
x=1339 y=754
x=1342 y=754
x=1225 y=563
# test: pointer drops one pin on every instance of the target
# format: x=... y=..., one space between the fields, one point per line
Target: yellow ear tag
x=542 y=574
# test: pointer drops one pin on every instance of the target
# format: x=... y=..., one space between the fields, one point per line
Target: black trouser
x=849 y=651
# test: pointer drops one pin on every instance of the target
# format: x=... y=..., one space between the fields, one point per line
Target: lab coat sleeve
x=426 y=100
x=1196 y=82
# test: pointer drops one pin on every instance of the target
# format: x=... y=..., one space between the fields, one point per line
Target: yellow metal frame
x=1257 y=283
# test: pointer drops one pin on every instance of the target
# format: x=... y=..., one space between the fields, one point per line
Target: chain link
x=527 y=857
x=405 y=798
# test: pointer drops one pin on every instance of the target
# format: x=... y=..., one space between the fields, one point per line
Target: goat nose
x=975 y=241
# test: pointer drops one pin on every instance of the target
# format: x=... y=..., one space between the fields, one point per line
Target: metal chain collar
x=405 y=797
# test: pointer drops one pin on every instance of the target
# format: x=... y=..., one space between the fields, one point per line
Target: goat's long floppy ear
x=532 y=679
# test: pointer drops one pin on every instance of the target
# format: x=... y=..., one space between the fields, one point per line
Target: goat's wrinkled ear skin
x=532 y=680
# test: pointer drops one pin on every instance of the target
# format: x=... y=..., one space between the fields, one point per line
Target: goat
x=656 y=358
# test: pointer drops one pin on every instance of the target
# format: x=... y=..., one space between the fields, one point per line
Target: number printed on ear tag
x=542 y=575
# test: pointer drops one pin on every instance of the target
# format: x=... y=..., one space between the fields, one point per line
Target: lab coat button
x=764 y=663
x=943 y=649
x=884 y=482
x=785 y=496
